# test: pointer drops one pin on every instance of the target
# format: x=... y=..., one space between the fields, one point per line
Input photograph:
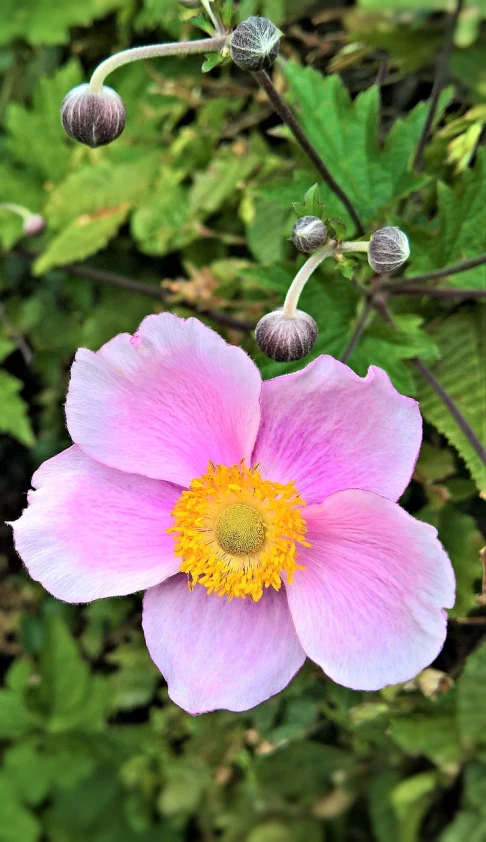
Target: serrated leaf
x=345 y=133
x=458 y=232
x=461 y=371
x=84 y=236
x=35 y=135
x=389 y=348
x=225 y=176
x=41 y=22
x=471 y=710
x=104 y=184
x=164 y=221
x=14 y=418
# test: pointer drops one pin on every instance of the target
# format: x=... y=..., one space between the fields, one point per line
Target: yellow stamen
x=236 y=533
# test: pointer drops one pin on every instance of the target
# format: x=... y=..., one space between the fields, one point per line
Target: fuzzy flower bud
x=93 y=118
x=255 y=44
x=34 y=224
x=285 y=339
x=309 y=233
x=388 y=250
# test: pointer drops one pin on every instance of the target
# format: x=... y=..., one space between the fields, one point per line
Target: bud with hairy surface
x=94 y=119
x=286 y=338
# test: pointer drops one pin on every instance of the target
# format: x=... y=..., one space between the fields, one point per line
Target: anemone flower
x=260 y=517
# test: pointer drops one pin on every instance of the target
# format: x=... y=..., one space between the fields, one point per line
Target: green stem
x=179 y=48
x=302 y=276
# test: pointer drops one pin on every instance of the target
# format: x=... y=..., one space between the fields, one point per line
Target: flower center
x=236 y=533
x=240 y=529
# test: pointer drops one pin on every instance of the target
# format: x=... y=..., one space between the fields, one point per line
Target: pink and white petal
x=166 y=401
x=368 y=608
x=328 y=429
x=216 y=654
x=90 y=531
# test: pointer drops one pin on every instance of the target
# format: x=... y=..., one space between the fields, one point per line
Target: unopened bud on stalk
x=255 y=44
x=94 y=119
x=388 y=250
x=34 y=224
x=309 y=233
x=286 y=339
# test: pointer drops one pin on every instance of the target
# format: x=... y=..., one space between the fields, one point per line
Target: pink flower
x=185 y=461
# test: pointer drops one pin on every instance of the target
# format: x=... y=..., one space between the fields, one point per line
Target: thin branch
x=454 y=410
x=463 y=266
x=157 y=293
x=288 y=117
x=121 y=281
x=380 y=304
x=439 y=82
x=19 y=340
x=437 y=292
x=358 y=331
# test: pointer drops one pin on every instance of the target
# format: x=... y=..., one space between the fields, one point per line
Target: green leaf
x=17 y=824
x=389 y=348
x=471 y=710
x=462 y=541
x=41 y=23
x=345 y=133
x=84 y=236
x=434 y=736
x=14 y=418
x=461 y=371
x=35 y=135
x=73 y=697
x=16 y=720
x=458 y=232
x=311 y=205
x=212 y=60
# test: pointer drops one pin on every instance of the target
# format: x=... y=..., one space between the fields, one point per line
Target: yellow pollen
x=240 y=529
x=236 y=533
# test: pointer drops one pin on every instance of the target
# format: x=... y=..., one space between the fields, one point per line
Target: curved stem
x=301 y=278
x=18 y=209
x=287 y=116
x=216 y=23
x=179 y=48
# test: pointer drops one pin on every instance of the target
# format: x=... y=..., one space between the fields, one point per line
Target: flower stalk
x=328 y=250
x=179 y=48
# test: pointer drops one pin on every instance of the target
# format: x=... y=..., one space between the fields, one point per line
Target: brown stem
x=357 y=332
x=463 y=266
x=287 y=116
x=379 y=302
x=439 y=82
x=150 y=290
x=437 y=292
x=155 y=292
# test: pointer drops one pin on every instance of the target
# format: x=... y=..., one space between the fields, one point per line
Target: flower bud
x=308 y=233
x=388 y=250
x=34 y=224
x=285 y=339
x=255 y=44
x=93 y=118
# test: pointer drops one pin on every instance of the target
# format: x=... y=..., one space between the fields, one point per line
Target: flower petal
x=90 y=531
x=328 y=429
x=165 y=401
x=215 y=653
x=369 y=606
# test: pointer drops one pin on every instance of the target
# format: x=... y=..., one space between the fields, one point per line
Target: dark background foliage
x=190 y=211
